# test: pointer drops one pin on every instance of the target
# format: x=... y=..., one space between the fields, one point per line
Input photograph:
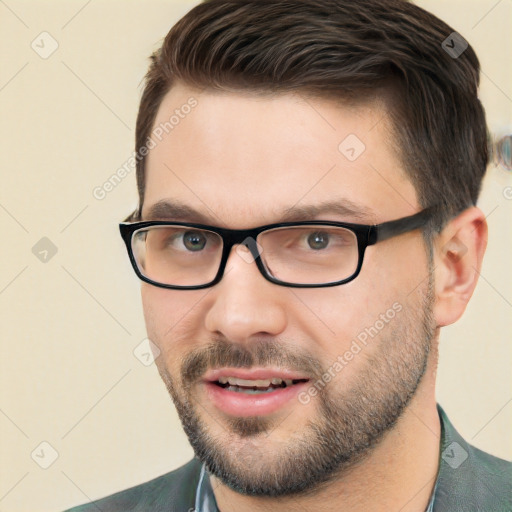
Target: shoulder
x=470 y=479
x=174 y=491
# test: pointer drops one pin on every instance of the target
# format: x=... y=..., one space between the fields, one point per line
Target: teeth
x=250 y=391
x=262 y=383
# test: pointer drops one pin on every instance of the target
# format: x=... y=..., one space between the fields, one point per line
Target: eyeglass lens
x=185 y=256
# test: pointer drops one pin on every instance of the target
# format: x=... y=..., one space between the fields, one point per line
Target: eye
x=194 y=240
x=318 y=240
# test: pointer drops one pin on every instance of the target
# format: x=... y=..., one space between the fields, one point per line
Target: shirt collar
x=205 y=499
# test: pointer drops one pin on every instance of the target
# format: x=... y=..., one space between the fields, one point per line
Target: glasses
x=311 y=254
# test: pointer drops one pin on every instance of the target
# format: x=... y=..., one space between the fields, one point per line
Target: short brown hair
x=340 y=49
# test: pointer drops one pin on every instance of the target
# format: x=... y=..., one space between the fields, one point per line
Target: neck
x=399 y=474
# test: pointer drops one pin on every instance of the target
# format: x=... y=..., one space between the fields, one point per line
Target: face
x=349 y=357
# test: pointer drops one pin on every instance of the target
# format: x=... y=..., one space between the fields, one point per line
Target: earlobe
x=458 y=255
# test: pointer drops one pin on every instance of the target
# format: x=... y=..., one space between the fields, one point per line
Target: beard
x=349 y=421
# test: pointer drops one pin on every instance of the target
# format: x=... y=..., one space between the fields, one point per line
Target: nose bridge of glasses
x=246 y=238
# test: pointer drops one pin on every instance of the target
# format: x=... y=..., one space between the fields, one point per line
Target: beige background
x=69 y=326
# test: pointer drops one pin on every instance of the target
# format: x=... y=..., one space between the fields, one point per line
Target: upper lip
x=253 y=374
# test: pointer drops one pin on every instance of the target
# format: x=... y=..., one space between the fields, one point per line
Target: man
x=308 y=172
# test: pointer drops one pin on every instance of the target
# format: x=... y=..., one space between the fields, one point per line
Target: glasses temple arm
x=397 y=227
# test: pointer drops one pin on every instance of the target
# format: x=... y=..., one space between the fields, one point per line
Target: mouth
x=255 y=387
x=254 y=392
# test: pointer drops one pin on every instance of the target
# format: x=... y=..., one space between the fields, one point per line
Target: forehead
x=244 y=159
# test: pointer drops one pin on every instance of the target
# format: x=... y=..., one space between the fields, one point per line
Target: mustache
x=223 y=353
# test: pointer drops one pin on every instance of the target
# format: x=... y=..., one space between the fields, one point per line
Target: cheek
x=391 y=273
x=336 y=316
x=171 y=318
x=330 y=318
x=400 y=267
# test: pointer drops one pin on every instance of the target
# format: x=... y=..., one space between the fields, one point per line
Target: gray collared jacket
x=469 y=480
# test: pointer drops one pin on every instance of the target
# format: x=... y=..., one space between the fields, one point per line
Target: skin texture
x=241 y=160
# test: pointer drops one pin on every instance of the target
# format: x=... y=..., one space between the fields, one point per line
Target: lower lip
x=242 y=404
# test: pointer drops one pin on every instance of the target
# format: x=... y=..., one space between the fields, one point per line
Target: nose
x=244 y=303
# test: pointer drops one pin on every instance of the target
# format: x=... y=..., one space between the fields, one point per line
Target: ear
x=458 y=253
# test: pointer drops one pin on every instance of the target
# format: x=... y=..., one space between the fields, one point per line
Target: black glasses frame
x=366 y=235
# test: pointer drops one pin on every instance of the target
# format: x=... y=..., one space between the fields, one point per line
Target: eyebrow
x=342 y=207
x=174 y=210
